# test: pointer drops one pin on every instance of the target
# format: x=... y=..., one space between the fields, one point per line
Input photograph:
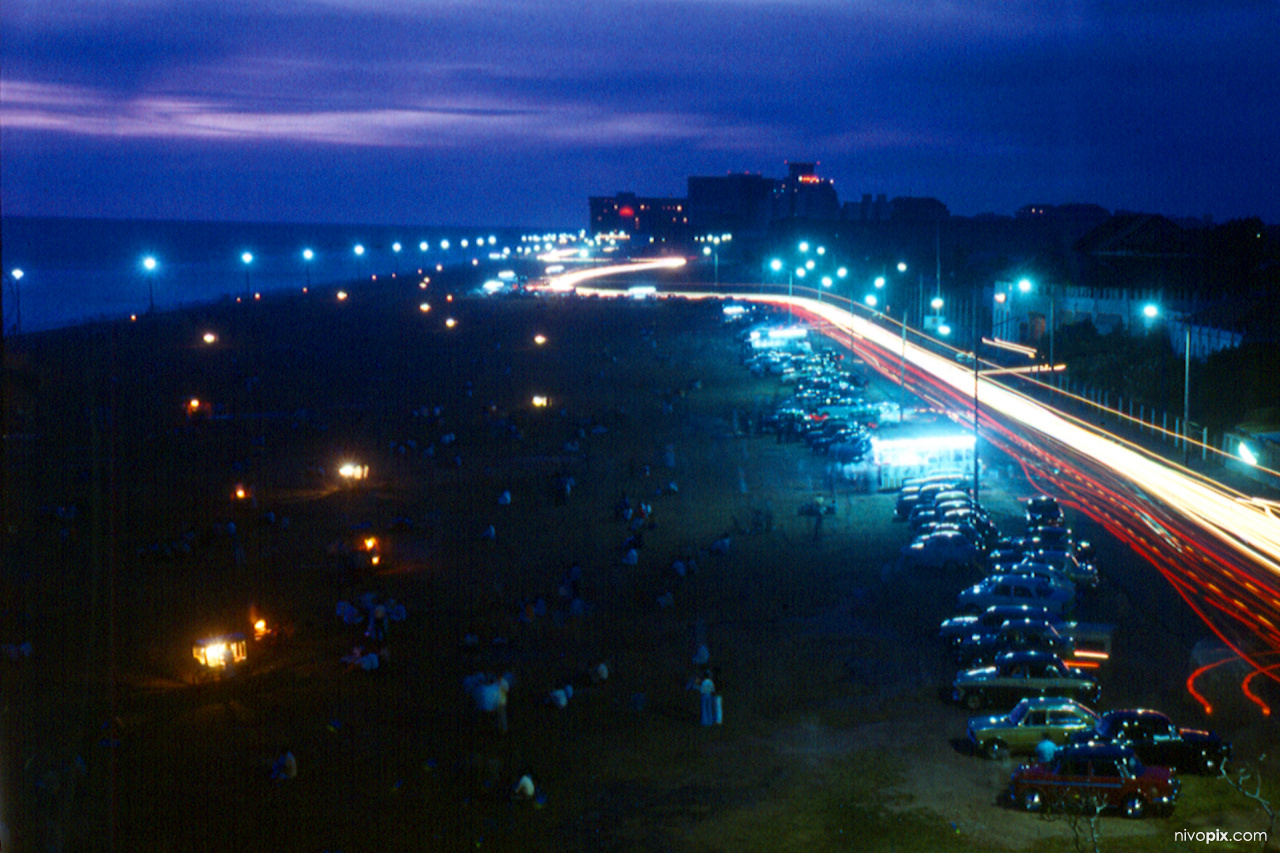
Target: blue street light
x=307 y=257
x=17 y=301
x=149 y=264
x=247 y=257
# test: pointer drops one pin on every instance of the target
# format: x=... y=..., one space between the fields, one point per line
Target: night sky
x=513 y=112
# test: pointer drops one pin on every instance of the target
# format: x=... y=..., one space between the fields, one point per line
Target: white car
x=1014 y=589
x=945 y=549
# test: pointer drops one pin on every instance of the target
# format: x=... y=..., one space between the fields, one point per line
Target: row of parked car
x=826 y=409
x=1015 y=645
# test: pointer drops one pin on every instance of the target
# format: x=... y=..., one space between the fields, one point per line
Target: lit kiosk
x=216 y=654
x=920 y=449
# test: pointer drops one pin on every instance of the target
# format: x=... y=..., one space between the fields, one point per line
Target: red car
x=1095 y=777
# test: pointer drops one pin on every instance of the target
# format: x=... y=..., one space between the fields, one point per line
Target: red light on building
x=626 y=212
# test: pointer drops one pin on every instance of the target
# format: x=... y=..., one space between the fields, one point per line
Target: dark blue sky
x=512 y=112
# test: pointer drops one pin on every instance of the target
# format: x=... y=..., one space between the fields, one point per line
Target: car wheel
x=1134 y=807
x=1032 y=802
x=996 y=749
x=973 y=701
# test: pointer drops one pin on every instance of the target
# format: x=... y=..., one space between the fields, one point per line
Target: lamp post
x=17 y=300
x=715 y=256
x=1150 y=312
x=307 y=257
x=359 y=252
x=247 y=257
x=395 y=247
x=149 y=266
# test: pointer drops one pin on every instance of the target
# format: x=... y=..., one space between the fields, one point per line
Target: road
x=1219 y=548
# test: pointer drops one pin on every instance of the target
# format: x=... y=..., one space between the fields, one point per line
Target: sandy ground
x=126 y=544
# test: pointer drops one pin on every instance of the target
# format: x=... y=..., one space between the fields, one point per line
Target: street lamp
x=715 y=255
x=247 y=257
x=1150 y=312
x=17 y=301
x=307 y=256
x=149 y=264
x=395 y=247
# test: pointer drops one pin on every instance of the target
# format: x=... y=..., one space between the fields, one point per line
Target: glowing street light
x=395 y=247
x=902 y=266
x=17 y=304
x=307 y=257
x=879 y=282
x=149 y=264
x=247 y=258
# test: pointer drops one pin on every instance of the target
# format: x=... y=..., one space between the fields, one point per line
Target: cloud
x=443 y=123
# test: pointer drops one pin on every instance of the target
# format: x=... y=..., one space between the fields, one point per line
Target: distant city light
x=450 y=323
x=247 y=257
x=342 y=295
x=353 y=471
x=359 y=249
x=539 y=339
x=1024 y=285
x=1150 y=311
x=149 y=263
x=540 y=401
x=210 y=338
x=424 y=307
x=307 y=254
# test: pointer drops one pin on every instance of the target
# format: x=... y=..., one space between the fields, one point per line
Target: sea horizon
x=77 y=270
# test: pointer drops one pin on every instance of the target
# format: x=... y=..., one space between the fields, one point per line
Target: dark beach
x=127 y=542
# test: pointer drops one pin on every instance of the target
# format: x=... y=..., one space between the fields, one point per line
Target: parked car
x=1043 y=511
x=957 y=629
x=1018 y=635
x=1015 y=676
x=998 y=559
x=1156 y=740
x=1083 y=574
x=1014 y=589
x=1051 y=537
x=946 y=549
x=1031 y=722
x=1095 y=776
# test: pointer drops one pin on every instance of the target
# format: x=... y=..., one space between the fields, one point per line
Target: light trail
x=573 y=280
x=1238 y=558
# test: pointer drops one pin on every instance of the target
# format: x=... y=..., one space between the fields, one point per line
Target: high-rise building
x=738 y=204
x=804 y=195
x=660 y=219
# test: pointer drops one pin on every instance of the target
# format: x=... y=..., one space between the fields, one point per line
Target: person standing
x=708 y=690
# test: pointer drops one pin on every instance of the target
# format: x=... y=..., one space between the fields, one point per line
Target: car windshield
x=1106 y=727
x=1019 y=711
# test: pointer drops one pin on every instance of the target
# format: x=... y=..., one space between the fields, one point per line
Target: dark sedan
x=1156 y=740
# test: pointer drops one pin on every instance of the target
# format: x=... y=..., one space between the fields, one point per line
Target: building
x=737 y=204
x=804 y=195
x=662 y=220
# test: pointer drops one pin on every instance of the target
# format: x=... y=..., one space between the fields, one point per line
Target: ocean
x=80 y=270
